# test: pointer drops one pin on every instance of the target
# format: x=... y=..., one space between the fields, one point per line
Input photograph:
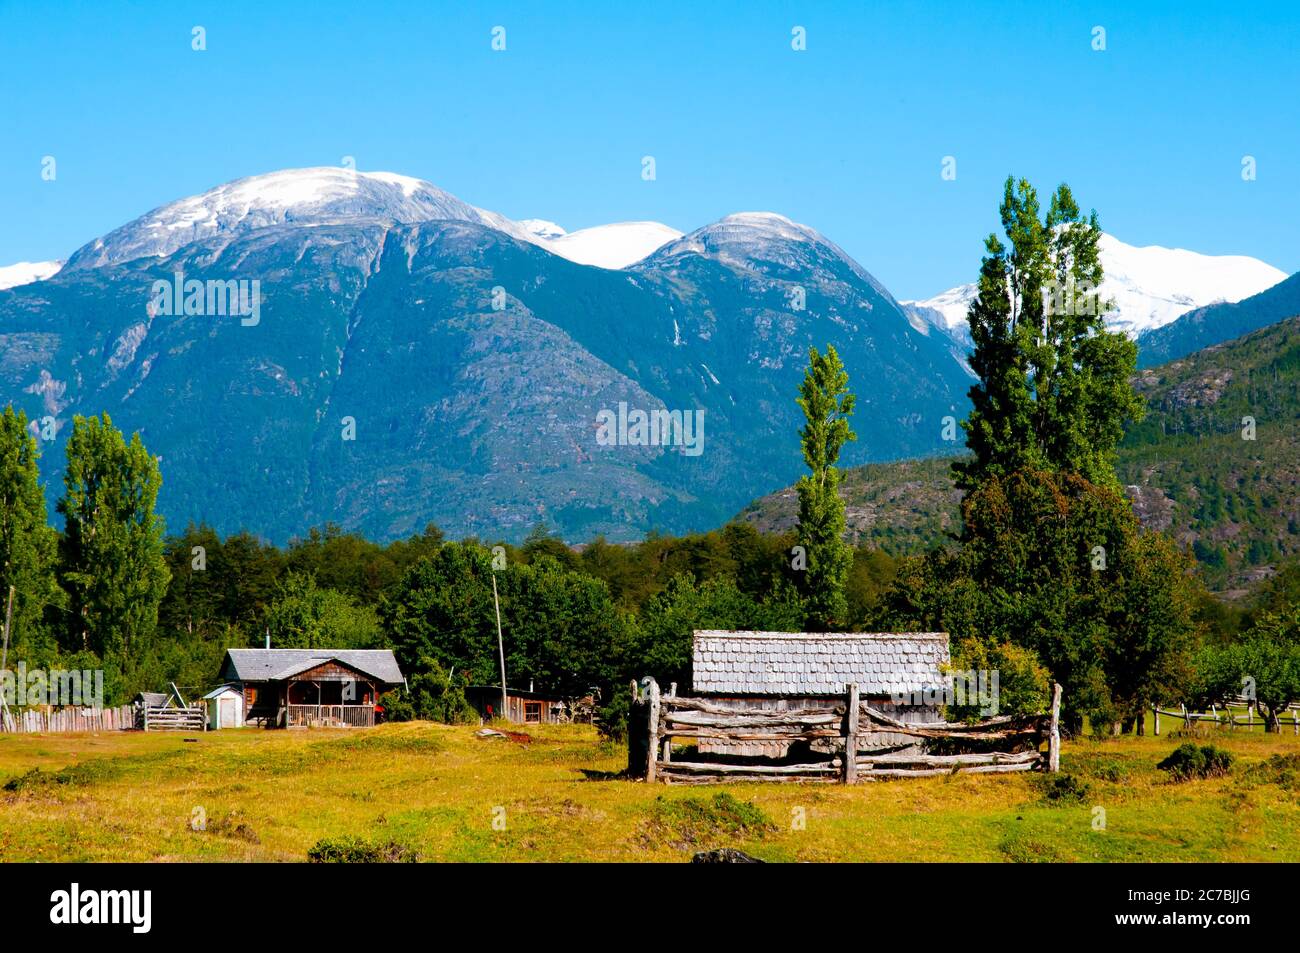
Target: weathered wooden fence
x=190 y=718
x=657 y=719
x=32 y=720
x=1225 y=718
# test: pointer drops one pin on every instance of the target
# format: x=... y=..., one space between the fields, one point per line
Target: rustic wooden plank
x=750 y=735
x=712 y=708
x=708 y=767
x=939 y=772
x=752 y=719
x=851 y=736
x=938 y=760
x=652 y=755
x=1054 y=741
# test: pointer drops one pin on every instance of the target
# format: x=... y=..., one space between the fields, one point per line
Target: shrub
x=1064 y=789
x=74 y=775
x=690 y=821
x=354 y=850
x=1191 y=762
x=1281 y=769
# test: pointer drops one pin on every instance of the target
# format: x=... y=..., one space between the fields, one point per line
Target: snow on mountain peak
x=310 y=196
x=541 y=228
x=745 y=235
x=1150 y=286
x=612 y=246
x=27 y=272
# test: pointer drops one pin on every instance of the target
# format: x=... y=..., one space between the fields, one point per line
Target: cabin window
x=532 y=712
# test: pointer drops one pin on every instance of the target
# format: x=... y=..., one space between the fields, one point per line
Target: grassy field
x=441 y=794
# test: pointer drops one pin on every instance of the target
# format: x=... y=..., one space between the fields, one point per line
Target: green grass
x=438 y=793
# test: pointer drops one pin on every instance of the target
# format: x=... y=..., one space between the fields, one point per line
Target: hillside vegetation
x=1189 y=466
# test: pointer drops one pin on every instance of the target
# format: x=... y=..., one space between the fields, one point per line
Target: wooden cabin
x=780 y=671
x=522 y=707
x=301 y=688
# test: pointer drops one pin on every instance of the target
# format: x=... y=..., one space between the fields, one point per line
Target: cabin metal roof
x=817 y=663
x=273 y=665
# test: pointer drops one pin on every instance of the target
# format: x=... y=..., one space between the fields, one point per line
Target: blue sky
x=848 y=136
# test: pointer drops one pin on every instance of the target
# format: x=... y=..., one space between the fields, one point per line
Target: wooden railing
x=157 y=718
x=1224 y=717
x=847 y=730
x=331 y=716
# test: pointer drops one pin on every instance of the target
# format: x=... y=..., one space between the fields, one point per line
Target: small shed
x=522 y=707
x=781 y=671
x=225 y=707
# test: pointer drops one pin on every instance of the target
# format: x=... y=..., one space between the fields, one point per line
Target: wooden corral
x=996 y=745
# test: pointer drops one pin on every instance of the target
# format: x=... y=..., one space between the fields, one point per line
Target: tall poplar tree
x=27 y=542
x=827 y=403
x=1053 y=390
x=113 y=568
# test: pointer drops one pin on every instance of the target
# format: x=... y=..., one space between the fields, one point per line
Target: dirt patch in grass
x=234 y=825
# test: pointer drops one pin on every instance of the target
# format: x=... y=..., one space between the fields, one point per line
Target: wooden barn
x=786 y=671
x=300 y=688
x=522 y=707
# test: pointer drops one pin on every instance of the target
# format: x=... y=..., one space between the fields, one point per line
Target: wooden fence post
x=1054 y=739
x=1156 y=710
x=668 y=741
x=652 y=754
x=851 y=736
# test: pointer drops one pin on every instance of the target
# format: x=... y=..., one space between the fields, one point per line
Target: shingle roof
x=817 y=663
x=264 y=665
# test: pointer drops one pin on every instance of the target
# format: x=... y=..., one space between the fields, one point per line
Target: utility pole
x=501 y=650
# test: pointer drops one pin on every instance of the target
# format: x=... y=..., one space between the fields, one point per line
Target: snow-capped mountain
x=324 y=195
x=378 y=300
x=610 y=246
x=327 y=196
x=1150 y=286
x=766 y=240
x=26 y=272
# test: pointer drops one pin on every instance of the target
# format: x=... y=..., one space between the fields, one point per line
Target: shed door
x=226 y=712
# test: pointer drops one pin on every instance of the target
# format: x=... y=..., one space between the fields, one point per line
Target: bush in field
x=1064 y=789
x=1281 y=769
x=689 y=822
x=82 y=774
x=355 y=850
x=1190 y=762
